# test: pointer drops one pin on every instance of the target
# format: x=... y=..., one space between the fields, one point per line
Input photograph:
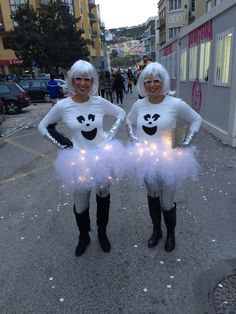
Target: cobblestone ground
x=28 y=116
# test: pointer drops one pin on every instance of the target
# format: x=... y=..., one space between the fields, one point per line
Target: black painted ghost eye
x=155 y=116
x=81 y=119
x=91 y=117
x=147 y=117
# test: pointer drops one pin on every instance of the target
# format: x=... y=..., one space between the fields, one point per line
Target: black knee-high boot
x=155 y=213
x=103 y=205
x=170 y=222
x=83 y=223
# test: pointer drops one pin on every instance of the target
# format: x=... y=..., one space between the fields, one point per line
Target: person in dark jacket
x=54 y=89
x=119 y=87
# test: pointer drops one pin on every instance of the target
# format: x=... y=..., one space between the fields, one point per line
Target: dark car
x=14 y=97
x=37 y=89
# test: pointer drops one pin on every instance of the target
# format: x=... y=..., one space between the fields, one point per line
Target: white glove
x=188 y=139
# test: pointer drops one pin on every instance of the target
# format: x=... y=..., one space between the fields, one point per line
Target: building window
x=193 y=63
x=174 y=5
x=204 y=64
x=173 y=32
x=70 y=4
x=192 y=5
x=183 y=65
x=208 y=6
x=223 y=58
x=14 y=4
x=6 y=41
x=162 y=38
x=163 y=14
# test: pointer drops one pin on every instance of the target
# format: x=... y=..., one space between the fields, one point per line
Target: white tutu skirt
x=152 y=162
x=86 y=169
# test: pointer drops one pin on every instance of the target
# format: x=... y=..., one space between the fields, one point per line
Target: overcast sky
x=121 y=13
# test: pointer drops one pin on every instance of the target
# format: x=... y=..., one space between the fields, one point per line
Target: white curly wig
x=154 y=69
x=82 y=67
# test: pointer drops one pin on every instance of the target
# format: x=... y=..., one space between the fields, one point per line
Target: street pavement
x=39 y=272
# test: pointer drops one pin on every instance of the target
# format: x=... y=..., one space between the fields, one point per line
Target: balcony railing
x=92 y=3
x=92 y=17
x=42 y=2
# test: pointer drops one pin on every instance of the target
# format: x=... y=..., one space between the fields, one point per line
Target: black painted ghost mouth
x=89 y=135
x=150 y=131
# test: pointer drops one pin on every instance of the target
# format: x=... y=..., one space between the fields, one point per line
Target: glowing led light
x=82 y=158
x=153 y=147
x=96 y=157
x=108 y=146
x=73 y=163
x=83 y=151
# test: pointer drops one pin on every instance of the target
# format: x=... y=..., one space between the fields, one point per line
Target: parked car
x=2 y=111
x=37 y=89
x=43 y=75
x=14 y=97
x=63 y=85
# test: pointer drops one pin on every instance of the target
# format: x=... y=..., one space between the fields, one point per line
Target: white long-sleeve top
x=152 y=120
x=84 y=120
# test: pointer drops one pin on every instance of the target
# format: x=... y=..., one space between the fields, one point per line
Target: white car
x=63 y=84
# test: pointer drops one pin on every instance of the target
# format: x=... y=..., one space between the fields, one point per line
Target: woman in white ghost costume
x=151 y=125
x=90 y=158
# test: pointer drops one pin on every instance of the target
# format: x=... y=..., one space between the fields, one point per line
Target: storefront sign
x=11 y=61
x=203 y=32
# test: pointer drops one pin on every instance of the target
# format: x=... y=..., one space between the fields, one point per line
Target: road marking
x=29 y=150
x=23 y=135
x=5 y=181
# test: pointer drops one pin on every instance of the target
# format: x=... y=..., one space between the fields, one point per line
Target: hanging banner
x=168 y=50
x=203 y=32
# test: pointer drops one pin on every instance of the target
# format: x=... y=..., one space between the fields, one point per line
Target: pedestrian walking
x=101 y=84
x=152 y=124
x=108 y=86
x=90 y=158
x=119 y=87
x=54 y=89
x=130 y=80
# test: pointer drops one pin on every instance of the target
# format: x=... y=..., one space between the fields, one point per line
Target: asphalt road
x=38 y=270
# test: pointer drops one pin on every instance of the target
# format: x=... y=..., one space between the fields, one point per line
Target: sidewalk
x=29 y=116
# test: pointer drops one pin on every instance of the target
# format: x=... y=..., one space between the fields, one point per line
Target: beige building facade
x=89 y=20
x=174 y=15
